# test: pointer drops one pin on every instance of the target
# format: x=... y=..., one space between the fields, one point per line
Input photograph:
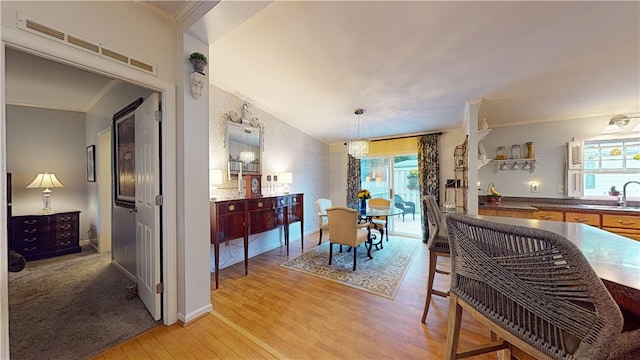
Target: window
x=596 y=166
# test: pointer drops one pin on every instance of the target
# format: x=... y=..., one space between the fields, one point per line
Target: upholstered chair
x=322 y=205
x=438 y=245
x=535 y=291
x=407 y=207
x=380 y=222
x=345 y=230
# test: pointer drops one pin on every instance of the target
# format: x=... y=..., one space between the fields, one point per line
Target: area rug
x=71 y=307
x=381 y=275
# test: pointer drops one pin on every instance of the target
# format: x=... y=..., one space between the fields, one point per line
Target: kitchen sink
x=613 y=207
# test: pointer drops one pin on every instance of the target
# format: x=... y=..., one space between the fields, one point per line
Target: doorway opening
x=395 y=177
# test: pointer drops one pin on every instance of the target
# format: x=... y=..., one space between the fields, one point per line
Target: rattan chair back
x=534 y=284
x=437 y=240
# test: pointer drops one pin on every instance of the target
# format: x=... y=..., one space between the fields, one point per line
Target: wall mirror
x=244 y=146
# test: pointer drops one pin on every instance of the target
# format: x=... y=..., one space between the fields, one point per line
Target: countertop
x=535 y=204
x=612 y=256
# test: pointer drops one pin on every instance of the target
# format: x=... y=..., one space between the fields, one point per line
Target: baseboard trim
x=131 y=276
x=195 y=315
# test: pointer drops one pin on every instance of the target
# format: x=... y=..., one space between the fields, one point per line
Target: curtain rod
x=407 y=136
x=404 y=136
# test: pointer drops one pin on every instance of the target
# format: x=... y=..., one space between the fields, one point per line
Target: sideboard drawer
x=229 y=207
x=262 y=204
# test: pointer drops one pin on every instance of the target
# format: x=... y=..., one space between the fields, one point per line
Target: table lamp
x=215 y=178
x=45 y=181
x=286 y=179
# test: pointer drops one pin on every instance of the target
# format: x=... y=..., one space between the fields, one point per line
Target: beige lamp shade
x=45 y=180
x=286 y=178
x=215 y=176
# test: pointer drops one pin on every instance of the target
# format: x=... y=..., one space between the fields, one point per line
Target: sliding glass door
x=395 y=177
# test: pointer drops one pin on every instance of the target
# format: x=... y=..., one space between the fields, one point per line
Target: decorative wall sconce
x=198 y=77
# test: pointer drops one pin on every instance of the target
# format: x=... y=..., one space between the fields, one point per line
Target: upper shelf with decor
x=517 y=164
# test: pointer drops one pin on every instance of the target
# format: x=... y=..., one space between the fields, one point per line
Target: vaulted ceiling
x=411 y=65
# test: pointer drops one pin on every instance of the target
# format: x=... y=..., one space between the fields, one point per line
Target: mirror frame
x=234 y=143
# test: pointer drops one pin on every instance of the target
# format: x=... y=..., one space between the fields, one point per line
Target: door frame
x=105 y=185
x=61 y=53
x=390 y=157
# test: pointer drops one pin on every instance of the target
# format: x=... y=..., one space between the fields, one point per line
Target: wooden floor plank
x=275 y=310
x=194 y=344
x=115 y=353
x=134 y=348
x=153 y=348
x=177 y=350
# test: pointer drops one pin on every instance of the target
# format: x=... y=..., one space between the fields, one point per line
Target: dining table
x=614 y=258
x=373 y=211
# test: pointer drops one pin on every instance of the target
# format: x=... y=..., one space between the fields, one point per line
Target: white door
x=147 y=163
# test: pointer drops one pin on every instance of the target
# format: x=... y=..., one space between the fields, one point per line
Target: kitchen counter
x=539 y=204
x=613 y=257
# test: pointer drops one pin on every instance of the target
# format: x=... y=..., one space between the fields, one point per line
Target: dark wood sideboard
x=40 y=236
x=239 y=218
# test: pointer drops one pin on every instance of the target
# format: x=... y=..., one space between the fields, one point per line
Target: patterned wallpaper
x=286 y=149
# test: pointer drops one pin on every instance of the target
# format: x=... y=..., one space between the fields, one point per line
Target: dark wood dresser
x=239 y=218
x=38 y=236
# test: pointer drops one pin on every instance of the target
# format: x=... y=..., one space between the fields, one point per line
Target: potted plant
x=613 y=191
x=199 y=61
x=413 y=179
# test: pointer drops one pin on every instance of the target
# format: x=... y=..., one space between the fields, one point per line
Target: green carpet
x=71 y=307
x=381 y=275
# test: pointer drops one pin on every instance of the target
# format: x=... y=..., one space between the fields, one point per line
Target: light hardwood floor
x=275 y=312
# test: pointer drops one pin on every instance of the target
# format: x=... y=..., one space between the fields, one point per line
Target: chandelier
x=359 y=147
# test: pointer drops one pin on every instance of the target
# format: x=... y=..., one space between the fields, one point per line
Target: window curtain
x=353 y=180
x=429 y=175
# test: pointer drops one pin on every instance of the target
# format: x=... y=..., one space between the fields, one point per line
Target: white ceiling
x=410 y=65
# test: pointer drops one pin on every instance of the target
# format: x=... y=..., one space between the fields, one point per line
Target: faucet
x=624 y=192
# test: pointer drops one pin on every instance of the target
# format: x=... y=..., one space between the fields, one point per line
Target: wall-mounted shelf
x=484 y=162
x=516 y=164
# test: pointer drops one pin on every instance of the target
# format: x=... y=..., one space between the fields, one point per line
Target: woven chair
x=380 y=222
x=438 y=245
x=346 y=230
x=535 y=290
x=322 y=205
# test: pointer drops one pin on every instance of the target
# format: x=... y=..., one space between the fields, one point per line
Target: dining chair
x=322 y=205
x=346 y=230
x=438 y=245
x=380 y=222
x=535 y=291
x=407 y=207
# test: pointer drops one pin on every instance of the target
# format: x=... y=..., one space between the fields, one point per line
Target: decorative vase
x=198 y=65
x=363 y=205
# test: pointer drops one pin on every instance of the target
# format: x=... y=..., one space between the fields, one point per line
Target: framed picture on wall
x=91 y=163
x=124 y=155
